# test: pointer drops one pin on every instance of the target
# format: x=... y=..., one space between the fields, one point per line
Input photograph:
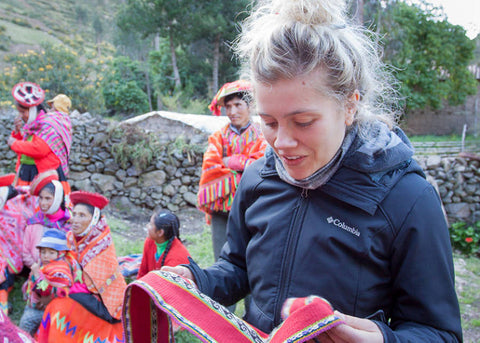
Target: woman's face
x=81 y=217
x=23 y=113
x=153 y=233
x=304 y=127
x=45 y=200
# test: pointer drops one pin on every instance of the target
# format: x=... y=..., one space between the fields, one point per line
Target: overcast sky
x=462 y=12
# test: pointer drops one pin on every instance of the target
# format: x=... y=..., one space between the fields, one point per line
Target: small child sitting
x=162 y=246
x=57 y=272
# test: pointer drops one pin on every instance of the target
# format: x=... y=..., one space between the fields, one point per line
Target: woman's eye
x=271 y=124
x=305 y=124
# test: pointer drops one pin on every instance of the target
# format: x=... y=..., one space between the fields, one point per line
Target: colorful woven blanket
x=55 y=129
x=159 y=298
x=218 y=182
x=13 y=218
x=66 y=321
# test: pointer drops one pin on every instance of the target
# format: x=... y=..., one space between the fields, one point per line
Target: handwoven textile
x=13 y=218
x=96 y=254
x=55 y=129
x=65 y=320
x=218 y=183
x=157 y=299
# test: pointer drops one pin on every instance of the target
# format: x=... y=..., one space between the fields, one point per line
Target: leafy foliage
x=57 y=69
x=124 y=87
x=430 y=55
x=134 y=147
x=465 y=238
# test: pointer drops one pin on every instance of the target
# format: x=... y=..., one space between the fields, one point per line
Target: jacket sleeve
x=35 y=148
x=226 y=281
x=426 y=307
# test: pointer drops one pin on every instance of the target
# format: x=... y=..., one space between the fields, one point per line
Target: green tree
x=57 y=69
x=167 y=18
x=429 y=54
x=217 y=26
x=124 y=88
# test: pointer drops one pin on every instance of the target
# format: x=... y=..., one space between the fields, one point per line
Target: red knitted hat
x=28 y=94
x=41 y=180
x=92 y=199
x=7 y=180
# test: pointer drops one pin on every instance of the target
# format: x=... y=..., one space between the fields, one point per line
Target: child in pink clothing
x=51 y=214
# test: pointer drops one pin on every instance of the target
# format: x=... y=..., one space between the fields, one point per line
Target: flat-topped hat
x=41 y=180
x=28 y=94
x=92 y=199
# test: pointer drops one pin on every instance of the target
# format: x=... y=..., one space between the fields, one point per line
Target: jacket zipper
x=287 y=261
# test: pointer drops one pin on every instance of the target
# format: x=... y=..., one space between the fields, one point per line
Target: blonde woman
x=337 y=207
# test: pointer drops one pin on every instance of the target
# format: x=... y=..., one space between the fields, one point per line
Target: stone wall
x=171 y=178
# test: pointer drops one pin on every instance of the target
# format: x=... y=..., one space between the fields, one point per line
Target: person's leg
x=219 y=232
x=31 y=319
x=219 y=237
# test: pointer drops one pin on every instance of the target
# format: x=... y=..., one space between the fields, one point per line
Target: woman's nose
x=285 y=138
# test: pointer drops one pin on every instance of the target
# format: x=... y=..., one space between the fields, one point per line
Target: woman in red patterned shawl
x=95 y=313
x=41 y=139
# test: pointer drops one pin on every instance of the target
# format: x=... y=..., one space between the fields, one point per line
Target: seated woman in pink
x=51 y=214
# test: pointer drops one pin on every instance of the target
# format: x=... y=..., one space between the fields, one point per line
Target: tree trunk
x=176 y=74
x=216 y=61
x=149 y=90
x=156 y=43
x=360 y=12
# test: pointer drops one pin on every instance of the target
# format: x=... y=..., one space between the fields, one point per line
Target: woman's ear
x=351 y=107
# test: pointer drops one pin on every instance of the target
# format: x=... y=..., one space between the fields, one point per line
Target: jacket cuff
x=199 y=275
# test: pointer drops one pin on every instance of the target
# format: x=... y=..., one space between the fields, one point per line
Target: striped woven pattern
x=153 y=302
x=218 y=183
x=55 y=129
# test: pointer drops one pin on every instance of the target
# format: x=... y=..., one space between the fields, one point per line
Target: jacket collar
x=372 y=168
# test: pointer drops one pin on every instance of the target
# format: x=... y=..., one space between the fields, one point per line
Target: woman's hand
x=18 y=123
x=35 y=268
x=10 y=141
x=355 y=329
x=180 y=270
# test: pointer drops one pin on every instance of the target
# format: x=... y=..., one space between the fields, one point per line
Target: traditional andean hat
x=28 y=94
x=61 y=102
x=54 y=239
x=92 y=199
x=239 y=86
x=7 y=180
x=41 y=180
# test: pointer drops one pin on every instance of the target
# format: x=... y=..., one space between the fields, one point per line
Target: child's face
x=45 y=200
x=48 y=254
x=153 y=233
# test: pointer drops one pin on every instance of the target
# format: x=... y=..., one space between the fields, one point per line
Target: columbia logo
x=342 y=225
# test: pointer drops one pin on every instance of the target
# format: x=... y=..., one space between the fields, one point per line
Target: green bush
x=57 y=69
x=465 y=238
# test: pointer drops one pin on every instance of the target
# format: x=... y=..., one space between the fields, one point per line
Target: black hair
x=168 y=222
x=50 y=188
x=12 y=192
x=242 y=95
